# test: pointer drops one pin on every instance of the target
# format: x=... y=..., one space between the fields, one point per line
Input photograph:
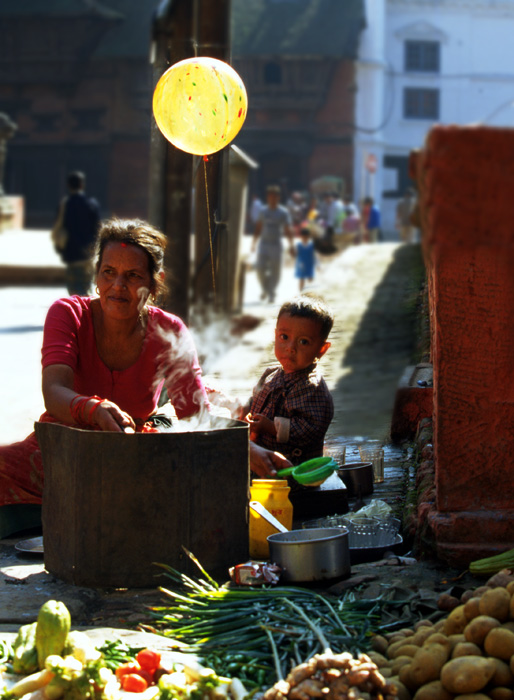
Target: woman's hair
x=134 y=232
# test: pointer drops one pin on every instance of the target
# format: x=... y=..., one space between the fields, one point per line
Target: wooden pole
x=212 y=31
x=171 y=170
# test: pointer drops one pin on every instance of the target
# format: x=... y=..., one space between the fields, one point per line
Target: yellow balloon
x=200 y=104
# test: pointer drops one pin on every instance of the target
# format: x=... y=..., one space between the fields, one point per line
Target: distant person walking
x=305 y=257
x=254 y=211
x=371 y=220
x=273 y=223
x=404 y=210
x=74 y=234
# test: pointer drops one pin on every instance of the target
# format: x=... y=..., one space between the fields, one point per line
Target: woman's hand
x=60 y=396
x=108 y=416
x=265 y=462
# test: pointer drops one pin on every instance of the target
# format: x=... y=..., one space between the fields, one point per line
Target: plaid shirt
x=301 y=407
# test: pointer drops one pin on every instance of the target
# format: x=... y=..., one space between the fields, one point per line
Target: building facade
x=423 y=62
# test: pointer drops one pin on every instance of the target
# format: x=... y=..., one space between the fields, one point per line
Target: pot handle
x=261 y=510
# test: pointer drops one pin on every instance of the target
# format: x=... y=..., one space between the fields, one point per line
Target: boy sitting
x=291 y=407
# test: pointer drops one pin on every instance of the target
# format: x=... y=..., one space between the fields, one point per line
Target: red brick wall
x=466 y=180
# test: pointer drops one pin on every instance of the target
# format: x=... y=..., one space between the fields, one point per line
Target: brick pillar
x=465 y=178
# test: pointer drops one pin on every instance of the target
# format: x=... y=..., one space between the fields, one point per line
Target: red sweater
x=168 y=358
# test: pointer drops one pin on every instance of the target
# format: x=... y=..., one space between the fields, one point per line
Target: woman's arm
x=60 y=398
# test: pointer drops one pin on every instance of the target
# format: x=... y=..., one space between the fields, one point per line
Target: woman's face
x=123 y=279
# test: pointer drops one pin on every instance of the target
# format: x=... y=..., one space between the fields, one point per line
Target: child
x=305 y=257
x=291 y=407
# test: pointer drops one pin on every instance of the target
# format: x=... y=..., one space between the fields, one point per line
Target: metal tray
x=34 y=545
x=361 y=555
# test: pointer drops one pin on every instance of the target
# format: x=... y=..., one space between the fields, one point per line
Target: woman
x=106 y=358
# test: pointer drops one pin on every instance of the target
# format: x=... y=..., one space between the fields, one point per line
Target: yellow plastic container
x=273 y=494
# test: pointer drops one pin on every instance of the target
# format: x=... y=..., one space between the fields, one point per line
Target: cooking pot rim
x=332 y=533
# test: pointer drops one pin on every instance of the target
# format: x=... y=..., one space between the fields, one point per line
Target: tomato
x=149 y=659
x=133 y=683
x=146 y=675
x=129 y=667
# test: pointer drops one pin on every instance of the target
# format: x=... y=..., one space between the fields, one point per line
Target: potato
x=471 y=696
x=386 y=671
x=423 y=623
x=503 y=676
x=404 y=676
x=438 y=638
x=455 y=622
x=479 y=627
x=406 y=631
x=471 y=608
x=509 y=625
x=510 y=587
x=447 y=602
x=501 y=693
x=496 y=603
x=480 y=590
x=427 y=664
x=422 y=634
x=394 y=646
x=454 y=639
x=439 y=624
x=404 y=650
x=432 y=691
x=499 y=643
x=379 y=643
x=502 y=578
x=397 y=663
x=379 y=659
x=401 y=690
x=466 y=649
x=467 y=595
x=467 y=674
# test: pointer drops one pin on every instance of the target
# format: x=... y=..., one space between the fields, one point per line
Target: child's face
x=298 y=342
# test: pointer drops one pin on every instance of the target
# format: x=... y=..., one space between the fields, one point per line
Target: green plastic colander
x=312 y=472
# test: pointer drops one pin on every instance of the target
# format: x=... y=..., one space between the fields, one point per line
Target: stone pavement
x=371 y=288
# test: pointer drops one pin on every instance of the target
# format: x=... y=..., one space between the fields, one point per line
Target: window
x=88 y=119
x=421 y=103
x=422 y=56
x=46 y=123
x=273 y=73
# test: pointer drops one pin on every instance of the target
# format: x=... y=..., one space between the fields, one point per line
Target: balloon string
x=209 y=226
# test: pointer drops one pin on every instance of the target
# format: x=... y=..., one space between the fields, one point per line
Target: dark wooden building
x=297 y=60
x=75 y=76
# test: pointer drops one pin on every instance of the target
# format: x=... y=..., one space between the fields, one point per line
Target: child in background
x=305 y=257
x=291 y=407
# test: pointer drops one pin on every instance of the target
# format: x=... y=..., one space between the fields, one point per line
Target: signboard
x=371 y=163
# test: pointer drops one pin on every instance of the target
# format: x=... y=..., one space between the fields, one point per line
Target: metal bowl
x=372 y=552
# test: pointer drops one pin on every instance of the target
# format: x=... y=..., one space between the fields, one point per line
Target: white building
x=423 y=62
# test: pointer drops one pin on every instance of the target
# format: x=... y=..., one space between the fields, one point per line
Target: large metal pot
x=311 y=555
x=358 y=478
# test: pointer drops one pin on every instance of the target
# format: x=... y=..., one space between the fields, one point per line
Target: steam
x=178 y=364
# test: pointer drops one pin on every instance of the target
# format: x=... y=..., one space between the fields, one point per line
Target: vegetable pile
x=48 y=661
x=259 y=634
x=467 y=655
x=336 y=677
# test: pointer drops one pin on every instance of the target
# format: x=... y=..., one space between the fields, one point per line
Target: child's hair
x=305 y=231
x=310 y=307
